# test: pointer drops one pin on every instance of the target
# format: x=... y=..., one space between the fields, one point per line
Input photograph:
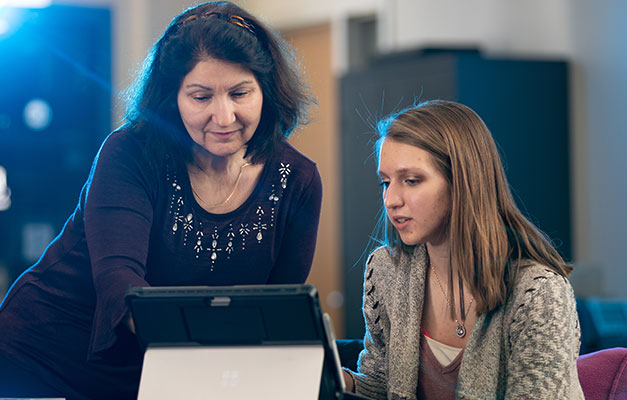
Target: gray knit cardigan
x=526 y=349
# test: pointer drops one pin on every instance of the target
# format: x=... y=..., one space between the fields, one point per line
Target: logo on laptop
x=229 y=378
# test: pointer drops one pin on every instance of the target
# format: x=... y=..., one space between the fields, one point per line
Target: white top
x=444 y=353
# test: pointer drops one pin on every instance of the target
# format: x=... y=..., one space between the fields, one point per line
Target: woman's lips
x=400 y=222
x=223 y=134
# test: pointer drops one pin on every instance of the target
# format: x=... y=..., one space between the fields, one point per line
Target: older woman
x=199 y=187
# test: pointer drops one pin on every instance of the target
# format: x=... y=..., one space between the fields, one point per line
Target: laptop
x=235 y=342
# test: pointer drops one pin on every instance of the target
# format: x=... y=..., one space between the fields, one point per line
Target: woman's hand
x=128 y=321
x=349 y=380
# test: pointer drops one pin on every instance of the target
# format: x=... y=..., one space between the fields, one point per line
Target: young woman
x=199 y=187
x=467 y=299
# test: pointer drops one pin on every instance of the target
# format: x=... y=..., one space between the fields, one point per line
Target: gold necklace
x=460 y=331
x=239 y=175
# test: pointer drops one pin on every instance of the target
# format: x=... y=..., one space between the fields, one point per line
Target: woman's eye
x=384 y=184
x=239 y=94
x=200 y=98
x=412 y=182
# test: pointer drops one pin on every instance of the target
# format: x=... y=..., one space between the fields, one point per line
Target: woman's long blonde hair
x=489 y=236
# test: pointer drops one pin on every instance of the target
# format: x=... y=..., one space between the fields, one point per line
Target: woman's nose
x=392 y=197
x=223 y=112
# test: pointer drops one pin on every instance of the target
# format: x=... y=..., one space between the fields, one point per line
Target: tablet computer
x=271 y=321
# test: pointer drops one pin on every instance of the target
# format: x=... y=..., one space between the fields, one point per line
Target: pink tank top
x=436 y=382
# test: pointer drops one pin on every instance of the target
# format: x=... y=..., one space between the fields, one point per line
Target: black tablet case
x=235 y=315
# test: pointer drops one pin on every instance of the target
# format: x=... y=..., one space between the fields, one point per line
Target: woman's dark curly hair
x=223 y=31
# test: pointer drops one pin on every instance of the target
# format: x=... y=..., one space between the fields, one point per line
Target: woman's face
x=220 y=105
x=416 y=195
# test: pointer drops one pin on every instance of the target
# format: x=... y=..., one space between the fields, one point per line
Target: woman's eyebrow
x=242 y=83
x=237 y=85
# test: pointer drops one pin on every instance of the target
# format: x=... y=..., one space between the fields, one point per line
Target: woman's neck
x=440 y=257
x=439 y=260
x=213 y=165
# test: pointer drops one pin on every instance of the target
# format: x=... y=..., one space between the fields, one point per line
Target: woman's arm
x=544 y=338
x=299 y=239
x=118 y=217
x=371 y=378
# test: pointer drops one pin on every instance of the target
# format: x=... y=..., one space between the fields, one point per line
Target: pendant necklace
x=239 y=175
x=460 y=331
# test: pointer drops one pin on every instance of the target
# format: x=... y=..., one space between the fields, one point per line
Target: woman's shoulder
x=377 y=264
x=533 y=274
x=123 y=152
x=288 y=154
x=539 y=285
x=380 y=255
x=386 y=262
x=124 y=141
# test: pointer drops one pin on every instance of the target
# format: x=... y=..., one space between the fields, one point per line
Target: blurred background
x=548 y=77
